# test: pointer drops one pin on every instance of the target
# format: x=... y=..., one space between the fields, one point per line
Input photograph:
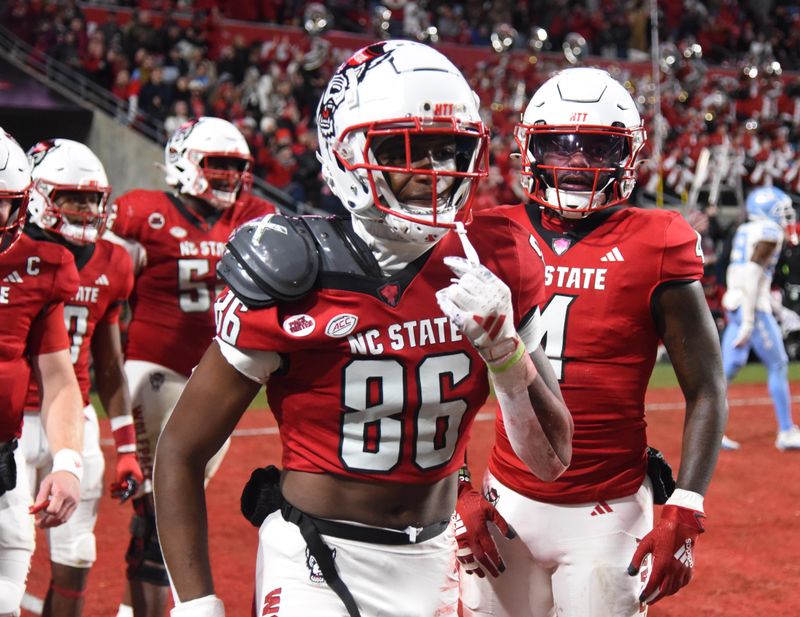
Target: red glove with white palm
x=128 y=475
x=671 y=543
x=477 y=551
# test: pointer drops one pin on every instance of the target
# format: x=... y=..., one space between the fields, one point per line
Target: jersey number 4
x=372 y=426
x=555 y=318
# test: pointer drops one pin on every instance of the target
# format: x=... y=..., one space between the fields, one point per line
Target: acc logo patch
x=299 y=325
x=156 y=220
x=178 y=232
x=341 y=325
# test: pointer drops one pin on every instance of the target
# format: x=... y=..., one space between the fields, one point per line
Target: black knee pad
x=144 y=558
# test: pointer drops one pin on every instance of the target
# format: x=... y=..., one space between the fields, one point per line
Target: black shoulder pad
x=270 y=259
x=339 y=252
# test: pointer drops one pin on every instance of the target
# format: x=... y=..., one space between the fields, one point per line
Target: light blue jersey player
x=751 y=324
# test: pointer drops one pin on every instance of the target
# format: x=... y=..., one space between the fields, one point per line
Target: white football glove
x=479 y=304
x=207 y=606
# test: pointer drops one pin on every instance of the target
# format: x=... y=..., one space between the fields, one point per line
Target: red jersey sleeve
x=250 y=207
x=682 y=258
x=66 y=279
x=259 y=329
x=123 y=268
x=123 y=220
x=517 y=262
x=531 y=293
x=48 y=332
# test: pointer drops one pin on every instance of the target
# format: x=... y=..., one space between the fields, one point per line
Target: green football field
x=664 y=376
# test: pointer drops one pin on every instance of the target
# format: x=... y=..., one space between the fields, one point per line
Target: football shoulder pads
x=280 y=258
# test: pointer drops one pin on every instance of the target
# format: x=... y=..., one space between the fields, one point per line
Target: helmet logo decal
x=355 y=68
x=40 y=150
x=578 y=116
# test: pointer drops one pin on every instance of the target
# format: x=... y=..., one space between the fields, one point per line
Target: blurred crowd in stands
x=730 y=90
x=746 y=114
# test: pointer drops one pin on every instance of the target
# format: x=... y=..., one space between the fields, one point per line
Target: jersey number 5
x=194 y=295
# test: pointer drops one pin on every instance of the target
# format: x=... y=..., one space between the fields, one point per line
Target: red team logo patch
x=390 y=293
x=299 y=325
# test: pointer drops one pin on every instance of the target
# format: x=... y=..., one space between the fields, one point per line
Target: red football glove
x=476 y=548
x=671 y=542
x=127 y=477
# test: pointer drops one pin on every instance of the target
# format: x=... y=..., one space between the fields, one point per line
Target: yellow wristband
x=515 y=357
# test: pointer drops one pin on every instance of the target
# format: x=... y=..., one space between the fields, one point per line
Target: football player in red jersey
x=176 y=238
x=35 y=280
x=374 y=386
x=68 y=207
x=618 y=280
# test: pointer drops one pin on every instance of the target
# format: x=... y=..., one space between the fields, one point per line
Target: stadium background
x=723 y=115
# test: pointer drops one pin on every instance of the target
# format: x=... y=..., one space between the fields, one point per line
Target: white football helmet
x=65 y=168
x=580 y=138
x=209 y=158
x=15 y=184
x=402 y=108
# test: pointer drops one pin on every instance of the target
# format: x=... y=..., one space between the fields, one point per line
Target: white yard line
x=488 y=416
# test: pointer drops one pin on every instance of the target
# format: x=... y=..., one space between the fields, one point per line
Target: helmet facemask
x=12 y=219
x=77 y=213
x=785 y=215
x=209 y=159
x=578 y=169
x=219 y=177
x=420 y=172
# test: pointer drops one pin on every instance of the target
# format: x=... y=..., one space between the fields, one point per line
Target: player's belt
x=312 y=529
x=8 y=446
x=359 y=533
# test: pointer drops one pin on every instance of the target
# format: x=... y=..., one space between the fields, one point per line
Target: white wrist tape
x=686 y=499
x=118 y=422
x=69 y=460
x=207 y=606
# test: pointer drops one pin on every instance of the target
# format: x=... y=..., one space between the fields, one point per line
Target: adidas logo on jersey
x=14 y=277
x=613 y=255
x=601 y=508
x=102 y=280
